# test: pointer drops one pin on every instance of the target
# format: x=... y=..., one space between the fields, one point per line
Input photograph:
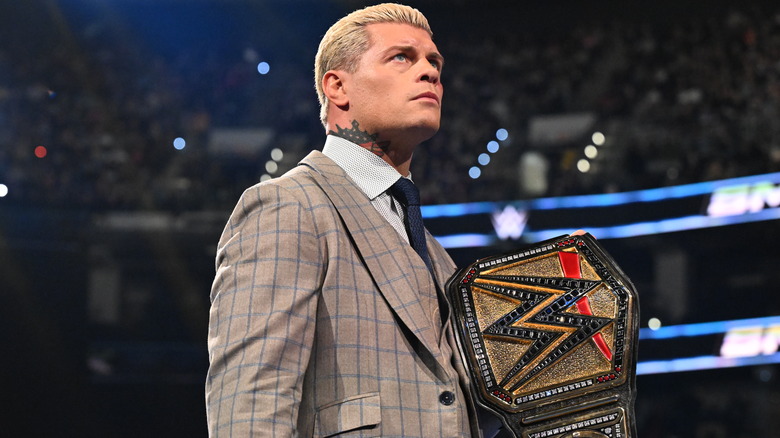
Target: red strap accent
x=570 y=262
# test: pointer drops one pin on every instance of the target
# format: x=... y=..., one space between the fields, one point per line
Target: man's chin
x=413 y=133
x=424 y=135
x=426 y=129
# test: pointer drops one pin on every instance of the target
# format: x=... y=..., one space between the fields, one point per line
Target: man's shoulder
x=302 y=182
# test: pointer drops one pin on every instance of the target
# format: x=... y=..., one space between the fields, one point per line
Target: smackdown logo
x=743 y=199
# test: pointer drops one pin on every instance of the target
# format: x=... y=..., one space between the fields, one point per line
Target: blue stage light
x=263 y=68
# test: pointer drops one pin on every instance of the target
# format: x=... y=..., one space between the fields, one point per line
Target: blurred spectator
x=687 y=98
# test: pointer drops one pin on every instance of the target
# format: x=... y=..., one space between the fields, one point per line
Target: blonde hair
x=347 y=40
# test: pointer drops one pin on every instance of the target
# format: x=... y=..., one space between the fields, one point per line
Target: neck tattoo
x=362 y=138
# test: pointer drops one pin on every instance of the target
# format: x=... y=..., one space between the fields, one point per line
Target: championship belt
x=549 y=336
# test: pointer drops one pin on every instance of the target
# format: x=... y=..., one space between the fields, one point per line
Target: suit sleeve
x=263 y=314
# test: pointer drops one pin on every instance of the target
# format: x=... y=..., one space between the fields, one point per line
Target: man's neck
x=394 y=153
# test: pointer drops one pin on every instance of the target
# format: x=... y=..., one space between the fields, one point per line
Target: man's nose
x=429 y=73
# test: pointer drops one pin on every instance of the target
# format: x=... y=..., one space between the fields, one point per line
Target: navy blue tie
x=406 y=192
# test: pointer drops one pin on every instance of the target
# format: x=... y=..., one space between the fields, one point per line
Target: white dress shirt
x=373 y=176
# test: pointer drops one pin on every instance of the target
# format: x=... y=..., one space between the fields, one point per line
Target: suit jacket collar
x=369 y=171
x=373 y=237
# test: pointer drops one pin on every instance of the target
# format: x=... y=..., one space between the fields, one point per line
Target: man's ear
x=333 y=86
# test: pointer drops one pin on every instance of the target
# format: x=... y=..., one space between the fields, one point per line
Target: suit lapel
x=383 y=251
x=443 y=268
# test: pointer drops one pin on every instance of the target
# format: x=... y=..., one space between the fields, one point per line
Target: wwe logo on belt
x=545 y=320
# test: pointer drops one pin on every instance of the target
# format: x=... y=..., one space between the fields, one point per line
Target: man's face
x=396 y=90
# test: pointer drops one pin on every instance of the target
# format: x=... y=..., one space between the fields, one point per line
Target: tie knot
x=405 y=191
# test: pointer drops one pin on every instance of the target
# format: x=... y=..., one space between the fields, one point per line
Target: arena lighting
x=702 y=363
x=598 y=138
x=654 y=324
x=602 y=200
x=263 y=68
x=706 y=328
x=466 y=241
x=745 y=342
x=728 y=202
x=492 y=147
x=659 y=227
x=649 y=228
x=179 y=143
x=40 y=151
x=3 y=190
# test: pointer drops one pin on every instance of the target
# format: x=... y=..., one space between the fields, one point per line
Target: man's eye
x=436 y=65
x=400 y=57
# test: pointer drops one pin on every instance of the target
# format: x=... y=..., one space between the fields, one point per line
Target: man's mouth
x=428 y=96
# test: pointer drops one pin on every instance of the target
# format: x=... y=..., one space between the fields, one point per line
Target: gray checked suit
x=323 y=319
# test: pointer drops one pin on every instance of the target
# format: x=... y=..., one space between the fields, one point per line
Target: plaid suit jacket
x=318 y=324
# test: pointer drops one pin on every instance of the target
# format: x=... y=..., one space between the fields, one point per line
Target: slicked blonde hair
x=347 y=40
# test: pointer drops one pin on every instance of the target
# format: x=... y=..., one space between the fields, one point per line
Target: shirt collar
x=371 y=173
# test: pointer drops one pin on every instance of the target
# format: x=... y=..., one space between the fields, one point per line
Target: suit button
x=447 y=398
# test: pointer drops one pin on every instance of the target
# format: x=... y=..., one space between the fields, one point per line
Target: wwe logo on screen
x=509 y=223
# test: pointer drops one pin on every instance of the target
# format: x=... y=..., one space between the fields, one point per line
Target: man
x=324 y=319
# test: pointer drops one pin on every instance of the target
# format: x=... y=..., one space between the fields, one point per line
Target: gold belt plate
x=549 y=335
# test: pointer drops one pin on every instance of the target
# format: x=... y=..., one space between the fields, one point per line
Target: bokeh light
x=591 y=151
x=277 y=154
x=263 y=68
x=41 y=151
x=475 y=172
x=502 y=134
x=179 y=143
x=654 y=323
x=598 y=138
x=583 y=165
x=493 y=146
x=483 y=159
x=3 y=190
x=271 y=167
